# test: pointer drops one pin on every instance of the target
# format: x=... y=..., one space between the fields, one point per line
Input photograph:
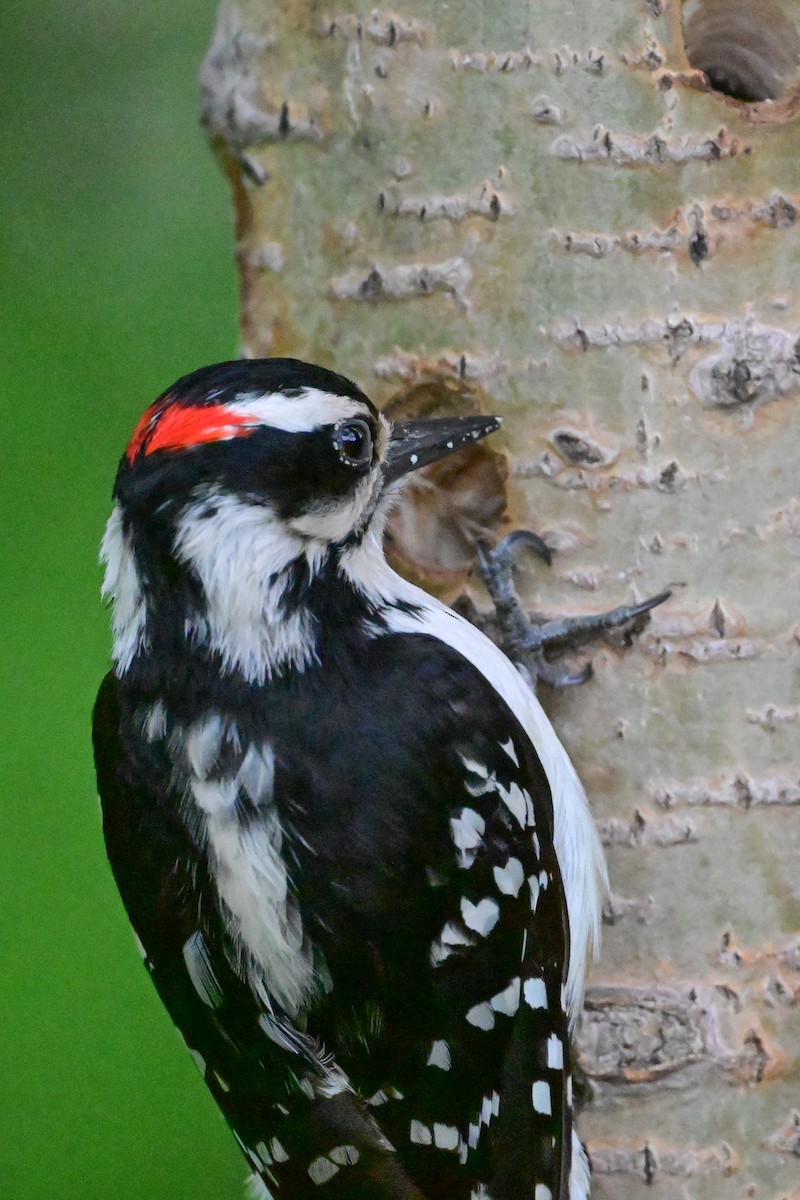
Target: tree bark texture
x=547 y=203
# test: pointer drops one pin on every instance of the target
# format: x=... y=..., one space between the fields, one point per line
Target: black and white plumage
x=358 y=860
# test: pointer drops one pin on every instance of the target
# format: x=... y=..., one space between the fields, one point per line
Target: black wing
x=428 y=879
x=422 y=859
x=265 y=1074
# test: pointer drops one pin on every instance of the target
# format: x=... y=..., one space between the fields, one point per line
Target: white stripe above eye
x=298 y=414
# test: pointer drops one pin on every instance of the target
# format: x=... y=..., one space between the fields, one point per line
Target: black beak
x=416 y=444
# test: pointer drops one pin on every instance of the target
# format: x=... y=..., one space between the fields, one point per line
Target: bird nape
x=358 y=860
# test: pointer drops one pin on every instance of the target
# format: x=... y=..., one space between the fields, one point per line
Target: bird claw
x=527 y=639
x=557 y=677
x=503 y=553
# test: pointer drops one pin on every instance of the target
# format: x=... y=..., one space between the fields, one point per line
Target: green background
x=117 y=277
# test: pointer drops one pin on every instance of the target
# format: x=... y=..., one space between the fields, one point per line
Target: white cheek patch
x=240 y=553
x=336 y=520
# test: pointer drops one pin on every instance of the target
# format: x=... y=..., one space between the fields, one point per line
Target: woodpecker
x=359 y=863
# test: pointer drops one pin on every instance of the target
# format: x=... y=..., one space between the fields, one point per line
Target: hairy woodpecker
x=359 y=862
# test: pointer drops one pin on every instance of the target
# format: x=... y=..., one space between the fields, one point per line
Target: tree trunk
x=546 y=209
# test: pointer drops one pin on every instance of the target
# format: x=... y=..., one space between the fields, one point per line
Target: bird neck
x=233 y=594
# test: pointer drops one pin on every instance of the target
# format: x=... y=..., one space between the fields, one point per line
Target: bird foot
x=529 y=640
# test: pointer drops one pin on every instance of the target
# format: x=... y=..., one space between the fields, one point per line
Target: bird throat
x=236 y=596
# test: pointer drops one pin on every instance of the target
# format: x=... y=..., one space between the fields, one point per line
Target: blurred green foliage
x=118 y=276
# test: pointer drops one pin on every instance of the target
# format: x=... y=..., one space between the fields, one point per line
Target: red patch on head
x=169 y=426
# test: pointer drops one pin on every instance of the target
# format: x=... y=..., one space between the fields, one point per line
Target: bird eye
x=353 y=441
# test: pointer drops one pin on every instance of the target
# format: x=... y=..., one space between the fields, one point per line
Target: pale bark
x=544 y=198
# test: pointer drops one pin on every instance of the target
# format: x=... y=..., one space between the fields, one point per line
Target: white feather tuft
x=248 y=865
x=580 y=1174
x=256 y=1189
x=123 y=588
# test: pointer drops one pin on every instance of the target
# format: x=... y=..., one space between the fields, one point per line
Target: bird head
x=240 y=484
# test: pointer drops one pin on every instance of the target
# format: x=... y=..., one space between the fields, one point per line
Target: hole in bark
x=443 y=508
x=748 y=51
